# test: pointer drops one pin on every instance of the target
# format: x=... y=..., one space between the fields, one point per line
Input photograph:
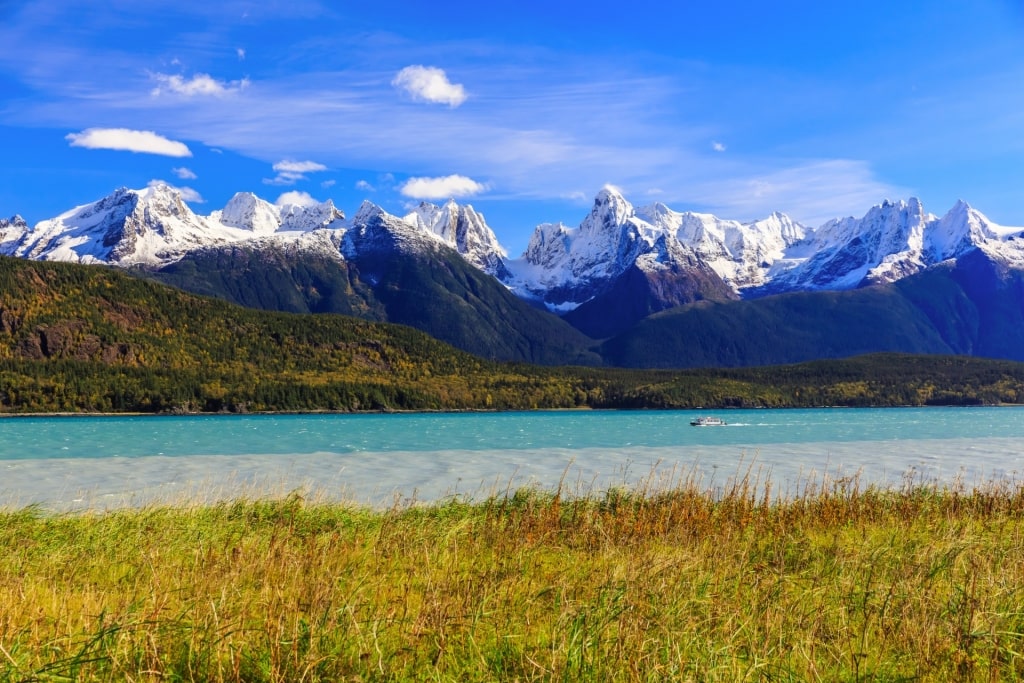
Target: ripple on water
x=379 y=478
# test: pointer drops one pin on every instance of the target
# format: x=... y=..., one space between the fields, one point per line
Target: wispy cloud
x=298 y=167
x=812 y=192
x=200 y=85
x=442 y=187
x=127 y=140
x=184 y=173
x=429 y=84
x=527 y=133
x=291 y=172
x=365 y=186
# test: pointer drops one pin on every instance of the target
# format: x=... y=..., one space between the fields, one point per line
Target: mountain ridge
x=583 y=295
x=561 y=267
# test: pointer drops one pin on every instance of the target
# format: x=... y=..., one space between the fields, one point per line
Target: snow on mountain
x=374 y=230
x=155 y=226
x=463 y=229
x=12 y=230
x=741 y=253
x=323 y=216
x=127 y=227
x=892 y=241
x=248 y=212
x=964 y=226
x=563 y=266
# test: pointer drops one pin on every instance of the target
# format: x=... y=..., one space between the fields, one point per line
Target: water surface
x=68 y=462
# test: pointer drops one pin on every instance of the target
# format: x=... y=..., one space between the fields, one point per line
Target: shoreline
x=494 y=411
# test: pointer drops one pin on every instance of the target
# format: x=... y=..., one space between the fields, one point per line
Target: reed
x=649 y=583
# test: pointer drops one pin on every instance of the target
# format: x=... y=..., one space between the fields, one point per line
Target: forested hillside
x=83 y=338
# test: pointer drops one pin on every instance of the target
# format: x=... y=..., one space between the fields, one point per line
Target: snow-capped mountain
x=464 y=230
x=441 y=269
x=741 y=253
x=683 y=256
x=155 y=226
x=564 y=266
x=375 y=231
x=892 y=241
x=11 y=230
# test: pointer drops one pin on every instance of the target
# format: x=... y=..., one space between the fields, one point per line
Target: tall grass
x=837 y=584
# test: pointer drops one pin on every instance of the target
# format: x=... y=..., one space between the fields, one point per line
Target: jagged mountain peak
x=165 y=200
x=316 y=216
x=248 y=212
x=15 y=221
x=891 y=241
x=464 y=229
x=563 y=266
x=12 y=230
x=367 y=213
x=611 y=210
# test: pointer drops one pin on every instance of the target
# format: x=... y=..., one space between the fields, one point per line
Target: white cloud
x=187 y=193
x=441 y=188
x=284 y=179
x=200 y=84
x=298 y=167
x=365 y=186
x=523 y=134
x=298 y=198
x=291 y=172
x=184 y=173
x=241 y=54
x=328 y=183
x=127 y=140
x=429 y=84
x=717 y=146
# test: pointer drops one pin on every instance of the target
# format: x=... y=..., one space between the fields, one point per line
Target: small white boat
x=707 y=422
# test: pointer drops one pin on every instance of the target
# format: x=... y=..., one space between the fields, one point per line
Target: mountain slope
x=422 y=283
x=786 y=328
x=975 y=302
x=273 y=278
x=892 y=241
x=393 y=273
x=81 y=338
x=441 y=269
x=606 y=259
x=972 y=306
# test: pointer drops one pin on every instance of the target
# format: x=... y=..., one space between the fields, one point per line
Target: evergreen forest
x=86 y=339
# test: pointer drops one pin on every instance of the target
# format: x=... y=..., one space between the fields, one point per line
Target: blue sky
x=522 y=109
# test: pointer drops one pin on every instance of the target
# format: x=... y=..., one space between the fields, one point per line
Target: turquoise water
x=91 y=437
x=75 y=461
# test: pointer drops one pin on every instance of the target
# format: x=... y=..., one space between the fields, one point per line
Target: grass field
x=836 y=584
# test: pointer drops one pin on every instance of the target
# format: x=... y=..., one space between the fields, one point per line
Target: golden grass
x=838 y=583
